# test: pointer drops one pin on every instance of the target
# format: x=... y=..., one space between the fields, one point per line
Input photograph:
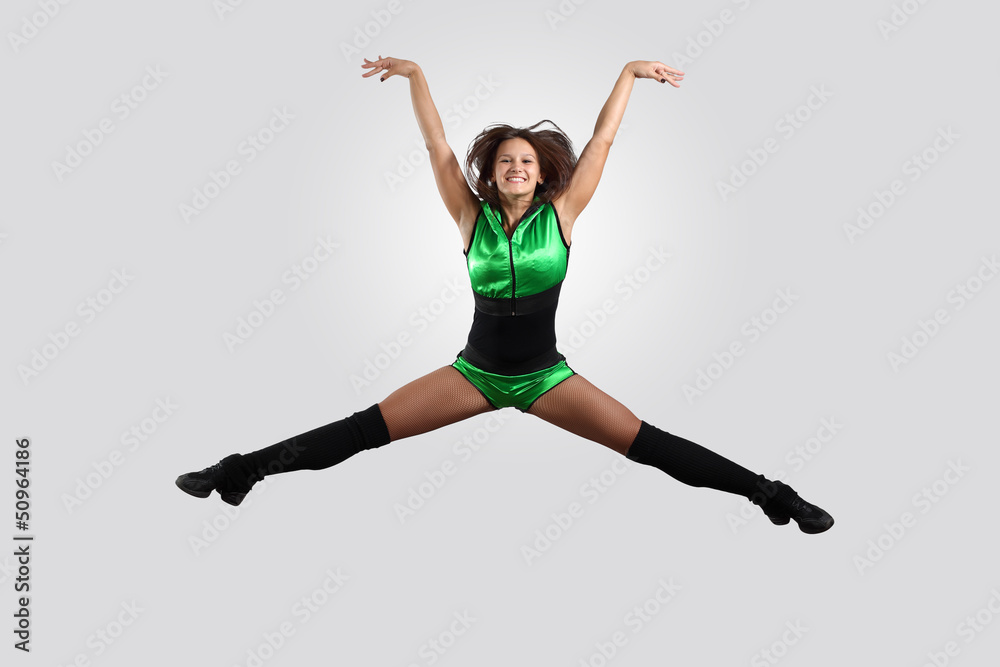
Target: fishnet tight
x=445 y=396
x=437 y=399
x=576 y=405
x=581 y=408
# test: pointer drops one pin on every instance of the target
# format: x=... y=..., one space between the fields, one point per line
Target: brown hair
x=556 y=159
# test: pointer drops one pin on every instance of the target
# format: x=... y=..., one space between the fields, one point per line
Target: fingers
x=666 y=74
x=672 y=79
x=371 y=64
x=653 y=69
x=378 y=66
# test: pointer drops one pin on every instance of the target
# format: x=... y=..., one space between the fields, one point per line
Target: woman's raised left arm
x=590 y=166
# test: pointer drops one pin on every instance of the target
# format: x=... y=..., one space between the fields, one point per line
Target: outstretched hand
x=653 y=69
x=390 y=66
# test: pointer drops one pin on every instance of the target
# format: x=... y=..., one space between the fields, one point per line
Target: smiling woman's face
x=516 y=158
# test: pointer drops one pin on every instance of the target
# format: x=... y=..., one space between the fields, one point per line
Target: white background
x=350 y=167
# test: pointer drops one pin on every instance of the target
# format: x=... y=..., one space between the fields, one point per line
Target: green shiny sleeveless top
x=532 y=260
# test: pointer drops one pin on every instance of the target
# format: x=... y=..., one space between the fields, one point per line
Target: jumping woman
x=516 y=223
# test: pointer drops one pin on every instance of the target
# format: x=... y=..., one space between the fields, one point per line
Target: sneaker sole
x=233 y=498
x=815 y=528
x=197 y=494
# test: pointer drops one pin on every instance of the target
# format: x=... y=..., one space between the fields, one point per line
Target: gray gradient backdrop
x=874 y=392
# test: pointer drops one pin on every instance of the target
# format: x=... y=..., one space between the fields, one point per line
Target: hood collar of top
x=495 y=217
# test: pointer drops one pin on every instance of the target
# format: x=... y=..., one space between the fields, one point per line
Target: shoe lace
x=800 y=506
x=215 y=473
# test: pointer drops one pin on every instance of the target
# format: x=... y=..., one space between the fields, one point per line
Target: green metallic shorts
x=518 y=391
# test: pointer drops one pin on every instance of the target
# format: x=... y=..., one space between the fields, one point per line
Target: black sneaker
x=776 y=517
x=811 y=519
x=201 y=484
x=781 y=504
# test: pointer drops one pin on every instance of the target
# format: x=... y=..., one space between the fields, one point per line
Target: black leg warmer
x=314 y=450
x=691 y=463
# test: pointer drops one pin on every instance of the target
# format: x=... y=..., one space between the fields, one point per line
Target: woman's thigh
x=581 y=408
x=437 y=399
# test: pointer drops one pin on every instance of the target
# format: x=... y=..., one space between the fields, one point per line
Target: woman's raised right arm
x=458 y=197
